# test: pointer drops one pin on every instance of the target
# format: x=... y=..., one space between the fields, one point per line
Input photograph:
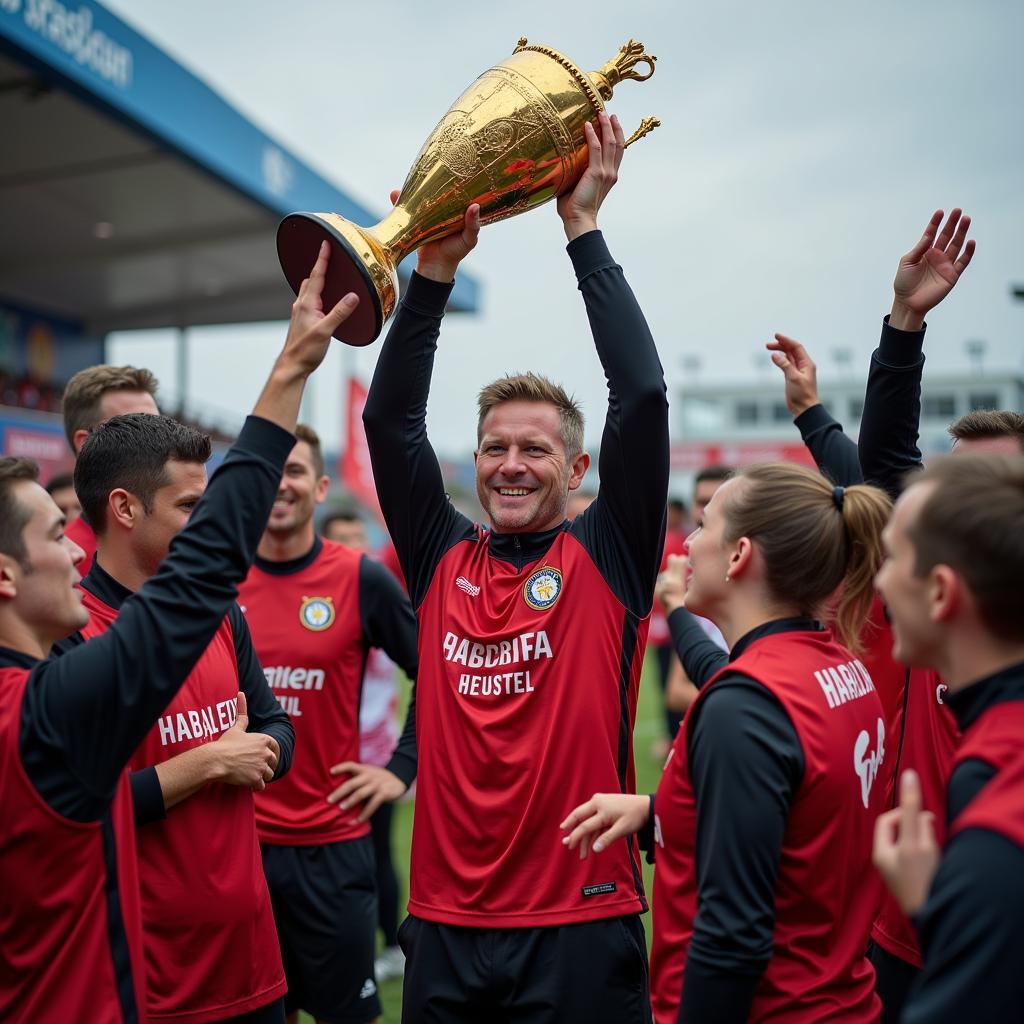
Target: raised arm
x=624 y=529
x=892 y=402
x=419 y=516
x=84 y=714
x=833 y=452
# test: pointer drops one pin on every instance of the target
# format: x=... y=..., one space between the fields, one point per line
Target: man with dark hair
x=92 y=397
x=705 y=483
x=139 y=477
x=344 y=526
x=531 y=631
x=316 y=609
x=988 y=430
x=62 y=489
x=71 y=934
x=951 y=583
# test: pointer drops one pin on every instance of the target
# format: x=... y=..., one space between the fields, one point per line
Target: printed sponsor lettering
x=843 y=683
x=290 y=703
x=284 y=677
x=867 y=762
x=524 y=647
x=197 y=723
x=495 y=686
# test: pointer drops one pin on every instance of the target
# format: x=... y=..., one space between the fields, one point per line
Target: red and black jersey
x=972 y=924
x=70 y=925
x=508 y=658
x=83 y=535
x=313 y=622
x=826 y=889
x=530 y=643
x=211 y=945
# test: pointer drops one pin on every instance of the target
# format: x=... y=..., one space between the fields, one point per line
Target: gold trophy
x=513 y=140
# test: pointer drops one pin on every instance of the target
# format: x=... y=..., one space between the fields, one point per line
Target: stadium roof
x=131 y=194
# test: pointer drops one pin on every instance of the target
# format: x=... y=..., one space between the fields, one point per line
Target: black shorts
x=593 y=973
x=893 y=979
x=325 y=908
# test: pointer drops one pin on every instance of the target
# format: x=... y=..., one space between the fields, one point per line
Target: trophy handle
x=646 y=126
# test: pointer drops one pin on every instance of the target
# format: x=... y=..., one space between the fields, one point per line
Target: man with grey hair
x=532 y=632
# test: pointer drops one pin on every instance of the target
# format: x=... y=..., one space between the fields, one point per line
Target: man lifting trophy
x=531 y=627
x=513 y=140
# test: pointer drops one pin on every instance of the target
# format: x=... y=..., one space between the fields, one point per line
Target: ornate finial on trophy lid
x=521 y=45
x=623 y=66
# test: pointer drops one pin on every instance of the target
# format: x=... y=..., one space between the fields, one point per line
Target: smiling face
x=916 y=635
x=43 y=584
x=298 y=494
x=523 y=475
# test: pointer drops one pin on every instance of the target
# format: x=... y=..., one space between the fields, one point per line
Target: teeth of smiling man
x=513 y=492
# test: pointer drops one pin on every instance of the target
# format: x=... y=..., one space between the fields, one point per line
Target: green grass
x=650 y=723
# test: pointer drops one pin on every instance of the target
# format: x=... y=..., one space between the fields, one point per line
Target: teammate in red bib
x=70 y=928
x=952 y=586
x=316 y=609
x=92 y=397
x=530 y=643
x=763 y=889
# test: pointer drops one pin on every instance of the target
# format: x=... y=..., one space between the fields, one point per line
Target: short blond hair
x=85 y=391
x=532 y=387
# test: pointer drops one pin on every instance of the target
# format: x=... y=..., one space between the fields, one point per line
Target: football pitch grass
x=650 y=724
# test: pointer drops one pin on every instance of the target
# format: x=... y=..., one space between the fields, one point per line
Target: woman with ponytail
x=764 y=893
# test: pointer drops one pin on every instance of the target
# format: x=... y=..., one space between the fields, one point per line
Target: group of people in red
x=861 y=729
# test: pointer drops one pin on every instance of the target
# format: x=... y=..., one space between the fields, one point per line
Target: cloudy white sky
x=804 y=146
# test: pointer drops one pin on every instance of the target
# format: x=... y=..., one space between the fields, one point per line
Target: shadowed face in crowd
x=523 y=474
x=349 y=532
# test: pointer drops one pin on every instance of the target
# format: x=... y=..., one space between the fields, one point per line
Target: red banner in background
x=356 y=471
x=694 y=456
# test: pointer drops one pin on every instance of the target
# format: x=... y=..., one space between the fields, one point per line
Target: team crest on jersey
x=541 y=590
x=317 y=613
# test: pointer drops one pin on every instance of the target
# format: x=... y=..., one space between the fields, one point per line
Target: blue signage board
x=96 y=55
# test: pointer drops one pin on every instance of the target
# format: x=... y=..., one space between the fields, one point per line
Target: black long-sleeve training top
x=972 y=925
x=633 y=461
x=84 y=714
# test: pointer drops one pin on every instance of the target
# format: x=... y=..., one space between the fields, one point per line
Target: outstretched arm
x=624 y=529
x=85 y=713
x=892 y=403
x=420 y=518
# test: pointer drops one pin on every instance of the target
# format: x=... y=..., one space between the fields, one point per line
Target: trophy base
x=358 y=264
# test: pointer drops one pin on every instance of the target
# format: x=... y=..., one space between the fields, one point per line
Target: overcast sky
x=803 y=148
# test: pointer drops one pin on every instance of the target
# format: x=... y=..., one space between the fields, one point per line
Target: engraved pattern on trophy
x=513 y=140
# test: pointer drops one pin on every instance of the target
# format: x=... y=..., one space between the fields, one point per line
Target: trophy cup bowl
x=512 y=141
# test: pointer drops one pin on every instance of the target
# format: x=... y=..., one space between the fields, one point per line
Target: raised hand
x=670 y=589
x=613 y=815
x=799 y=371
x=310 y=328
x=367 y=785
x=578 y=208
x=928 y=273
x=438 y=260
x=905 y=852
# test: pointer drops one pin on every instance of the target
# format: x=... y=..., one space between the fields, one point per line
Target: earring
x=728 y=578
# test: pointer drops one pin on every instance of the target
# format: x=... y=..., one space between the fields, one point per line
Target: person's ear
x=9 y=570
x=578 y=470
x=123 y=508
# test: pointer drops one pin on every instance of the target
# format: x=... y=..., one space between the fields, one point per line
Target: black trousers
x=590 y=973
